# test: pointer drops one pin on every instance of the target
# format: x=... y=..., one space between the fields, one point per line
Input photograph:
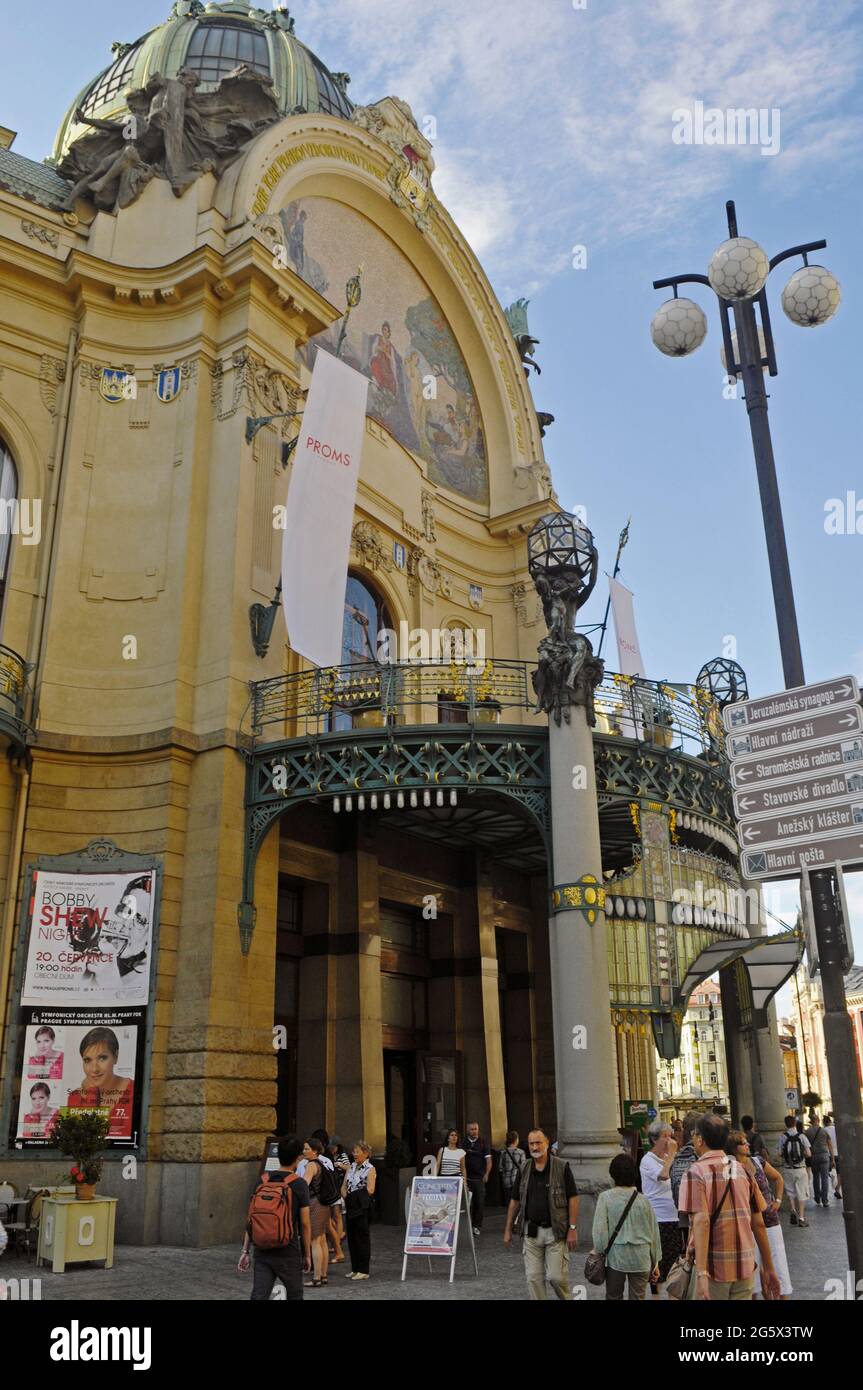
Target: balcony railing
x=369 y=695
x=13 y=689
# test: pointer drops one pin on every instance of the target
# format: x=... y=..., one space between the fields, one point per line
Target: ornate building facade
x=347 y=874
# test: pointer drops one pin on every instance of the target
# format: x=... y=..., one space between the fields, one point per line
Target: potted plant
x=81 y=1135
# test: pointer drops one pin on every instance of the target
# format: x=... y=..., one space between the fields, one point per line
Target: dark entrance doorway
x=400 y=1091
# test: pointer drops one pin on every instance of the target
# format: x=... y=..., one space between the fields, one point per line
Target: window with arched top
x=358 y=696
x=8 y=496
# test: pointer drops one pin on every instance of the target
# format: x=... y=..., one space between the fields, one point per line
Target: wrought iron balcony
x=13 y=693
x=372 y=696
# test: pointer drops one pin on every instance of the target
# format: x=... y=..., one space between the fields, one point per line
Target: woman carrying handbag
x=626 y=1239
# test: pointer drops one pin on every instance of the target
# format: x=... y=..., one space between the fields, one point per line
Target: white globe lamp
x=738 y=269
x=762 y=351
x=811 y=296
x=678 y=327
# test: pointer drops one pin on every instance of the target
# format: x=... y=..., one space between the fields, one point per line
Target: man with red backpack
x=278 y=1222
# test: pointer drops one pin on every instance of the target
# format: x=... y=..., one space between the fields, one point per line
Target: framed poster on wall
x=81 y=1034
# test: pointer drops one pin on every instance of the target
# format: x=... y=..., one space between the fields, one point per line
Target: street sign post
x=832 y=756
x=844 y=721
x=803 y=699
x=801 y=827
x=805 y=792
x=787 y=861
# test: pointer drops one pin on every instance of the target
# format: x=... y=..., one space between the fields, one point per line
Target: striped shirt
x=450 y=1163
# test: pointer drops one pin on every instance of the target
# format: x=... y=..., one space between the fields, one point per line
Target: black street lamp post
x=738 y=273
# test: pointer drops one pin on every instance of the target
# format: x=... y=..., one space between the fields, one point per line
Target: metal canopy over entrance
x=768 y=960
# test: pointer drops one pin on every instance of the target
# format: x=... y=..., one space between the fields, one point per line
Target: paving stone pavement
x=165 y=1273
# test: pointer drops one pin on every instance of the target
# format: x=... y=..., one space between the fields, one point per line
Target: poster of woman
x=95 y=1069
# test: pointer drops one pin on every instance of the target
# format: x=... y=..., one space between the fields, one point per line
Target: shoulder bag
x=680 y=1281
x=594 y=1265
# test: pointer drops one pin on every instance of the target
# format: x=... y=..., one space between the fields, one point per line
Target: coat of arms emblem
x=116 y=385
x=169 y=385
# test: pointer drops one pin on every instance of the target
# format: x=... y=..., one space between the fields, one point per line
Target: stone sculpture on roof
x=173 y=132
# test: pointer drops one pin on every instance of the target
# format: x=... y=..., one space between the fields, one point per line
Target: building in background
x=790 y=1054
x=698 y=1077
x=808 y=1020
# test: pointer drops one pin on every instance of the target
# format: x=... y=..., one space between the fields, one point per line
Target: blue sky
x=554 y=129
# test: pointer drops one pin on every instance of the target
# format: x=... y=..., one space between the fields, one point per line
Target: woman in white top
x=655 y=1169
x=450 y=1159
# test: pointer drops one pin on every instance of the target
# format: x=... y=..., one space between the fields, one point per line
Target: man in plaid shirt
x=725 y=1208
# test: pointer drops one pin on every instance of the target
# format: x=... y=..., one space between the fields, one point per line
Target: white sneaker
x=359 y=1276
x=477 y=1231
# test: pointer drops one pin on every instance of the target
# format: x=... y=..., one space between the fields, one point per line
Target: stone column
x=578 y=949
x=477 y=1005
x=359 y=1063
x=738 y=1049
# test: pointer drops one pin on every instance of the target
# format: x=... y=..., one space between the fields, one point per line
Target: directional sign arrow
x=803 y=699
x=784 y=861
x=833 y=755
x=803 y=826
x=845 y=720
x=842 y=785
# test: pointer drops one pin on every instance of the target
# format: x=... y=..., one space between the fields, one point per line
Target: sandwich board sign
x=434 y=1208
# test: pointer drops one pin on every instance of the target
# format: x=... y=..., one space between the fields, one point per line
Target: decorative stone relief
x=429 y=529
x=409 y=177
x=372 y=548
x=536 y=479
x=52 y=373
x=523 y=595
x=47 y=235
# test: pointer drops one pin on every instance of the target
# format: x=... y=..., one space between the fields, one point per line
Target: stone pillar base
x=588 y=1156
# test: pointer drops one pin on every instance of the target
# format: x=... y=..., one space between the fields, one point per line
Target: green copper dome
x=212 y=40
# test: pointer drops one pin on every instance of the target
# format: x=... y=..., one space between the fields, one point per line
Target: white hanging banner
x=629 y=658
x=320 y=511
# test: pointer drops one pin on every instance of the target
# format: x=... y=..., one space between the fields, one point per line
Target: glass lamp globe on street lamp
x=811 y=296
x=678 y=327
x=738 y=269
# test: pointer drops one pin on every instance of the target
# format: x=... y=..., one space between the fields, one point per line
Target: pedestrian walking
x=757 y=1146
x=683 y=1159
x=544 y=1206
x=655 y=1169
x=512 y=1161
x=725 y=1207
x=794 y=1150
x=279 y=1228
x=358 y=1189
x=762 y=1170
x=626 y=1232
x=821 y=1146
x=677 y=1131
x=478 y=1165
x=836 y=1176
x=320 y=1179
x=450 y=1158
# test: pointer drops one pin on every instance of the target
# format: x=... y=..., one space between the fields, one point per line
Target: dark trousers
x=616 y=1281
x=476 y=1187
x=269 y=1265
x=359 y=1243
x=821 y=1177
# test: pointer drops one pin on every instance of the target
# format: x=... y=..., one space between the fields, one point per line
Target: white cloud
x=555 y=124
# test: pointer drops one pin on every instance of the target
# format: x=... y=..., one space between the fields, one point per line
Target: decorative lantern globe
x=678 y=327
x=724 y=680
x=561 y=547
x=811 y=296
x=738 y=269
